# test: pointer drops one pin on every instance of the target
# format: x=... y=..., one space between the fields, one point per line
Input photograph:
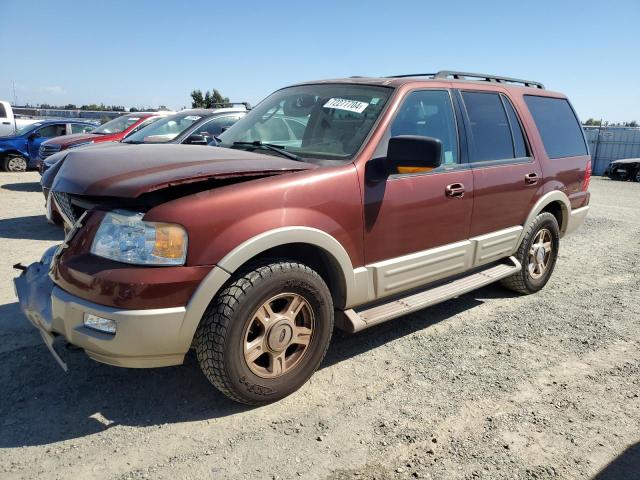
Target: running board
x=356 y=320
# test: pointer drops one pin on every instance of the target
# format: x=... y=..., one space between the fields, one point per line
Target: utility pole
x=15 y=99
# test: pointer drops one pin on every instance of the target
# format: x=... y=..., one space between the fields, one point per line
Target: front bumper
x=143 y=339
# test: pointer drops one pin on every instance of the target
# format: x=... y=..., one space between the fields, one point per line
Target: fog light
x=100 y=324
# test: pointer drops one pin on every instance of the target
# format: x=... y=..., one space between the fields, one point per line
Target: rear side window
x=490 y=131
x=558 y=126
x=519 y=144
x=79 y=128
x=3 y=113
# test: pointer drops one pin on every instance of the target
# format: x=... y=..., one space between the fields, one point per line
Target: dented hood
x=119 y=170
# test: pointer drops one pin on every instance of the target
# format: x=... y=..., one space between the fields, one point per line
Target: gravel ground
x=490 y=385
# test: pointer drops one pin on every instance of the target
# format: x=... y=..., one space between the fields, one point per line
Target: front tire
x=14 y=163
x=537 y=254
x=637 y=175
x=266 y=332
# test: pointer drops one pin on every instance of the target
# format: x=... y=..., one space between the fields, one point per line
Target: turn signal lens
x=170 y=241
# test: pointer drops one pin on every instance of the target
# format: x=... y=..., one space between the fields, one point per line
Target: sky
x=151 y=53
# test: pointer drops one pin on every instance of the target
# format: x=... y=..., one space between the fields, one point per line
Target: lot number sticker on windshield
x=348 y=105
x=192 y=117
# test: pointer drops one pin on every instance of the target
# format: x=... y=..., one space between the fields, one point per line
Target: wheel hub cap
x=278 y=335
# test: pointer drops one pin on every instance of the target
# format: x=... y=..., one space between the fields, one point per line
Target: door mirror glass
x=413 y=154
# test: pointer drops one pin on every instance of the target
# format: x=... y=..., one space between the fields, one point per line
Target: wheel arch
x=310 y=246
x=556 y=203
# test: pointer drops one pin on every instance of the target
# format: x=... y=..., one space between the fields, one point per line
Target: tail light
x=587 y=177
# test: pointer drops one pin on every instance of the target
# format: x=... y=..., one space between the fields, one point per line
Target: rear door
x=507 y=179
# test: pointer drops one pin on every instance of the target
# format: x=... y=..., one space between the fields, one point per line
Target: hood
x=128 y=171
x=625 y=161
x=75 y=138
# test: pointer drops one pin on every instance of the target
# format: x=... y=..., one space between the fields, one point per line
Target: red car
x=112 y=131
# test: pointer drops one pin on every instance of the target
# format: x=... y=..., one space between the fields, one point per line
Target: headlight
x=124 y=237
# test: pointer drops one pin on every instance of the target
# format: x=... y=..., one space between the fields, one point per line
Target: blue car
x=18 y=152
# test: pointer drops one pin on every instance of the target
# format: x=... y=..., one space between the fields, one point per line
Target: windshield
x=312 y=121
x=27 y=128
x=116 y=125
x=164 y=130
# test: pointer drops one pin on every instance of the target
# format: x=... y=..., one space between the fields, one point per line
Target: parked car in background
x=11 y=123
x=191 y=127
x=19 y=152
x=112 y=131
x=624 y=169
x=399 y=193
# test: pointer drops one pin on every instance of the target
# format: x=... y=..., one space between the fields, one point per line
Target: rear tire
x=14 y=163
x=537 y=254
x=266 y=332
x=636 y=177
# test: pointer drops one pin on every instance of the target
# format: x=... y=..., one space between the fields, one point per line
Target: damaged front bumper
x=33 y=289
x=144 y=338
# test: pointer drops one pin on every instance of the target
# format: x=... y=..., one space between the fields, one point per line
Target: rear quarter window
x=558 y=126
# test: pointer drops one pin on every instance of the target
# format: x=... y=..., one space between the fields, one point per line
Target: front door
x=417 y=223
x=43 y=134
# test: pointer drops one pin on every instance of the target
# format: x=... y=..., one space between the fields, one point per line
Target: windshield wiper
x=268 y=146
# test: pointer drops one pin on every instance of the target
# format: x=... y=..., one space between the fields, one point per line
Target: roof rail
x=444 y=74
x=247 y=105
x=487 y=78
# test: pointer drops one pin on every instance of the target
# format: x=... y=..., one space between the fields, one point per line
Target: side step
x=357 y=320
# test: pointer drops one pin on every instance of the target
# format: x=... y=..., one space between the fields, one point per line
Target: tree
x=197 y=100
x=593 y=123
x=208 y=100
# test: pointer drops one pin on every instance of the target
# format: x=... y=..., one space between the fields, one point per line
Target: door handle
x=454 y=190
x=6 y=123
x=531 y=179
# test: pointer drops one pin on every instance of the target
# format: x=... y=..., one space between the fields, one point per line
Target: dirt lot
x=490 y=385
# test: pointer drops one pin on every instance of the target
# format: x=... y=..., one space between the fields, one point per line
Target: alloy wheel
x=540 y=253
x=15 y=164
x=278 y=335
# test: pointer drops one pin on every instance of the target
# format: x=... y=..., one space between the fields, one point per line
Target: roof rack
x=444 y=74
x=247 y=105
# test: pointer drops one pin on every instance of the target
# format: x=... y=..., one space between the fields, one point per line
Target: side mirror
x=413 y=153
x=34 y=135
x=197 y=139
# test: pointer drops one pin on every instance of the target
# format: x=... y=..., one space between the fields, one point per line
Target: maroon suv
x=354 y=200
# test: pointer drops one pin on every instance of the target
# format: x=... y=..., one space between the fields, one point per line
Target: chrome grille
x=63 y=203
x=48 y=150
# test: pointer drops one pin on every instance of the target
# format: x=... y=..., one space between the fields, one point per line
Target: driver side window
x=51 y=131
x=428 y=113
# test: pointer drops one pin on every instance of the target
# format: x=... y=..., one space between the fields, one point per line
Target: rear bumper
x=576 y=219
x=144 y=338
